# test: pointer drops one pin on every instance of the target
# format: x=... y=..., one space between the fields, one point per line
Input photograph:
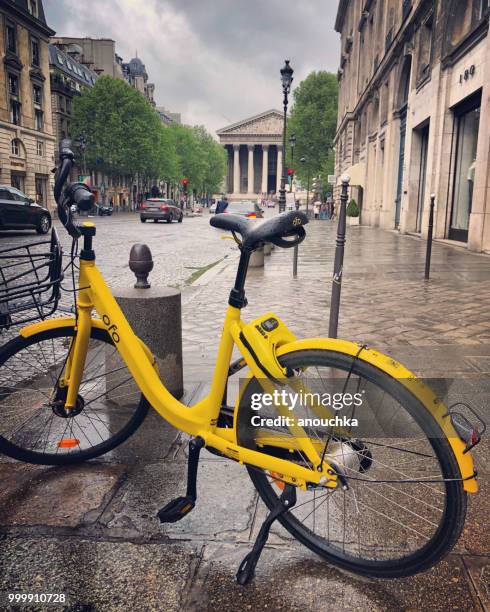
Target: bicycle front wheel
x=34 y=426
x=405 y=505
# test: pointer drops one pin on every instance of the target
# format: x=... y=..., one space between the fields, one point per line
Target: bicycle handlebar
x=76 y=193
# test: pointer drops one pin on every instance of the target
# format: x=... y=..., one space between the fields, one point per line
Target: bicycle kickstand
x=181 y=506
x=246 y=571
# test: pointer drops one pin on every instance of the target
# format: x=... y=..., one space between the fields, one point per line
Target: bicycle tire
x=453 y=517
x=29 y=455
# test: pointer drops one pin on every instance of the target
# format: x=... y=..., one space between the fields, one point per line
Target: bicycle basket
x=30 y=278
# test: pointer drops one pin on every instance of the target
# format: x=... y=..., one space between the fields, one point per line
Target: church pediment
x=265 y=124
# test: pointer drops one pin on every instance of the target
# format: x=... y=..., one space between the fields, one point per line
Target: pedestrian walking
x=222 y=206
x=316 y=209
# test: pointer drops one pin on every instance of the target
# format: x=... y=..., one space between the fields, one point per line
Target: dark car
x=160 y=209
x=245 y=208
x=17 y=211
x=103 y=211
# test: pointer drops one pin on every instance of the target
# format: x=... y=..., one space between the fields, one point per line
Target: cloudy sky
x=215 y=61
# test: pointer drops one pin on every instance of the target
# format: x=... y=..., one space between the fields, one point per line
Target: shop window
x=467 y=128
x=35 y=55
x=11 y=38
x=17 y=181
x=40 y=190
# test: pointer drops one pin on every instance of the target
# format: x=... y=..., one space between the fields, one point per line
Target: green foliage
x=124 y=136
x=313 y=120
x=352 y=209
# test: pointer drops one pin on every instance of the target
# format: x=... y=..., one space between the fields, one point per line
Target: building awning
x=357 y=174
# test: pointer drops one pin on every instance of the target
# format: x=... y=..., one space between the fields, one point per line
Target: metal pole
x=339 y=261
x=429 y=236
x=282 y=191
x=295 y=261
x=307 y=192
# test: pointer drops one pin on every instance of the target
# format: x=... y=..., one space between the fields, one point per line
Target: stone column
x=279 y=168
x=251 y=174
x=236 y=168
x=265 y=167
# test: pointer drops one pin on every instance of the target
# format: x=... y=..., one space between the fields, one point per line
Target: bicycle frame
x=198 y=420
x=201 y=419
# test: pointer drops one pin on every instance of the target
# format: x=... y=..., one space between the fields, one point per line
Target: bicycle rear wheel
x=382 y=526
x=34 y=426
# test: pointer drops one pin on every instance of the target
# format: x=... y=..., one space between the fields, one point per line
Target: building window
x=15 y=147
x=482 y=8
x=40 y=148
x=13 y=80
x=68 y=106
x=61 y=101
x=15 y=114
x=35 y=56
x=41 y=189
x=425 y=49
x=11 y=38
x=39 y=119
x=33 y=8
x=37 y=93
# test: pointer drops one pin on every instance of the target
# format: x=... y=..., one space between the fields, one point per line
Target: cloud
x=215 y=61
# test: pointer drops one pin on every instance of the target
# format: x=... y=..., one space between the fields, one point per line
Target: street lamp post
x=292 y=143
x=287 y=79
x=303 y=160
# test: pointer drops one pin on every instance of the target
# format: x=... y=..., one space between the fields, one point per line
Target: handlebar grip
x=80 y=194
x=66 y=150
x=300 y=235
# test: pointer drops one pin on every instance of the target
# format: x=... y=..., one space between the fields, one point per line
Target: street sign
x=332 y=179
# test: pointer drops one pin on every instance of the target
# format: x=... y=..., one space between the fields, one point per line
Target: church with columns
x=254 y=148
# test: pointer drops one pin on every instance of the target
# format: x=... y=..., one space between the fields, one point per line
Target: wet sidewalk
x=91 y=532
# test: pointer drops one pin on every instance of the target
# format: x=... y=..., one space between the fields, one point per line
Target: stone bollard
x=257 y=258
x=267 y=248
x=155 y=315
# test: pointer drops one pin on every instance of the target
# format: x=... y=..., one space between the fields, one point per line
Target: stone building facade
x=135 y=74
x=68 y=79
x=254 y=148
x=97 y=54
x=26 y=131
x=414 y=114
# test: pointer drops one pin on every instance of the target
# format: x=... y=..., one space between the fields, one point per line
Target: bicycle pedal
x=176 y=510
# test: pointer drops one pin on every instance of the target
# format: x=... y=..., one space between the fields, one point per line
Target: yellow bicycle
x=385 y=497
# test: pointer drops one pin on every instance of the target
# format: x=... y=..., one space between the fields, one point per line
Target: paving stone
x=226 y=500
x=479 y=571
x=296 y=580
x=99 y=575
x=62 y=497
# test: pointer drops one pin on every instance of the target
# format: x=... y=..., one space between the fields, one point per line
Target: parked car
x=104 y=210
x=160 y=209
x=245 y=208
x=17 y=211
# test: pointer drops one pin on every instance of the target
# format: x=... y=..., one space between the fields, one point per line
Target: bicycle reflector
x=68 y=443
x=469 y=433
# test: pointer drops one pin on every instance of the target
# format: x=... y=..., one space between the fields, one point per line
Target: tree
x=215 y=161
x=313 y=120
x=123 y=134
